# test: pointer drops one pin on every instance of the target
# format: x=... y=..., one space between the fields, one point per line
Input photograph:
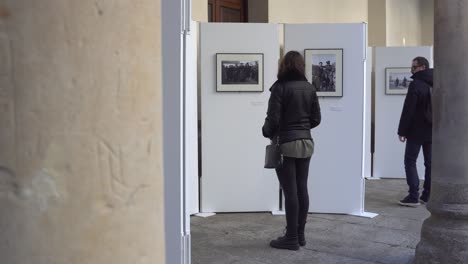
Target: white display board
x=368 y=116
x=389 y=151
x=336 y=176
x=191 y=120
x=233 y=148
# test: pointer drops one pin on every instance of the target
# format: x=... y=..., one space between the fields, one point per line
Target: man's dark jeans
x=412 y=178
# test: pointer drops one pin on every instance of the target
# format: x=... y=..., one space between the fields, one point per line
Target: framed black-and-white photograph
x=397 y=80
x=239 y=72
x=324 y=68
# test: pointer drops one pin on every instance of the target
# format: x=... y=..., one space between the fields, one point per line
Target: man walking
x=416 y=130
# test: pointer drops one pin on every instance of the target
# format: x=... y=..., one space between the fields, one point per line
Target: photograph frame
x=339 y=69
x=238 y=57
x=388 y=71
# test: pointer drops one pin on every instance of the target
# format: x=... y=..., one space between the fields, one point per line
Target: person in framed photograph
x=329 y=75
x=293 y=110
x=415 y=129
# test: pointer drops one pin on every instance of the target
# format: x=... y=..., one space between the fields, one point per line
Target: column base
x=444 y=235
x=443 y=241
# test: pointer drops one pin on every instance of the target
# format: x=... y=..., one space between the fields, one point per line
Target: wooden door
x=227 y=10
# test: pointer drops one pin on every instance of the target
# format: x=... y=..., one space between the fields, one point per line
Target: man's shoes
x=301 y=239
x=424 y=199
x=408 y=201
x=285 y=242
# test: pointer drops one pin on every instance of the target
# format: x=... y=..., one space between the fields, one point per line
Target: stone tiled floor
x=389 y=238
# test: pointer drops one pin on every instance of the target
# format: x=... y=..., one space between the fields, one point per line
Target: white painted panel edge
x=191 y=120
x=368 y=117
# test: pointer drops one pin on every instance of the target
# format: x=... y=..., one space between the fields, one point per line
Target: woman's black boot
x=301 y=235
x=285 y=242
x=288 y=241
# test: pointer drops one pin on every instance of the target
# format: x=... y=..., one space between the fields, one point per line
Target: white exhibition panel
x=389 y=151
x=336 y=176
x=368 y=117
x=191 y=123
x=233 y=148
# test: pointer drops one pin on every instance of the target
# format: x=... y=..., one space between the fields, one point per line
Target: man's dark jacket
x=293 y=110
x=413 y=122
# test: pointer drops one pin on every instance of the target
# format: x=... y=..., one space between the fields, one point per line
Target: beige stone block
x=7 y=135
x=4 y=14
x=317 y=11
x=200 y=10
x=103 y=195
x=88 y=184
x=6 y=88
x=5 y=62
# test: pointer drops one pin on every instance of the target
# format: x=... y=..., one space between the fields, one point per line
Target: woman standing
x=293 y=110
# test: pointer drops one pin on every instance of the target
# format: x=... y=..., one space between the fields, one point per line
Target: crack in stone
x=98 y=8
x=8 y=182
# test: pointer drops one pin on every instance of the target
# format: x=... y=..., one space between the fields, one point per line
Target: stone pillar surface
x=377 y=19
x=444 y=236
x=404 y=22
x=81 y=177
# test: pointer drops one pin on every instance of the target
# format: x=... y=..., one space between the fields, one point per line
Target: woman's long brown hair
x=292 y=66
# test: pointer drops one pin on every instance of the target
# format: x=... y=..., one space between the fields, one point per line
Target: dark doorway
x=227 y=11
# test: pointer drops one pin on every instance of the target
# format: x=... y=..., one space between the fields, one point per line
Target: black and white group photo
x=239 y=72
x=324 y=72
x=324 y=68
x=399 y=80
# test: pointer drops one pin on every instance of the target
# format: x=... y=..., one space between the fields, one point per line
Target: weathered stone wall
x=317 y=11
x=200 y=10
x=80 y=137
x=409 y=22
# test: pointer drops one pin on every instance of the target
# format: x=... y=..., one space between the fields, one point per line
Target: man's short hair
x=421 y=61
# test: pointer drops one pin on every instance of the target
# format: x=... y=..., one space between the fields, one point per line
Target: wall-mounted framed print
x=239 y=72
x=324 y=68
x=397 y=80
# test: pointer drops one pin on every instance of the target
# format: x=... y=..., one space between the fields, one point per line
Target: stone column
x=81 y=176
x=403 y=22
x=444 y=236
x=377 y=18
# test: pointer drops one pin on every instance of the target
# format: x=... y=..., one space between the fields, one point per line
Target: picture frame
x=397 y=80
x=324 y=69
x=239 y=72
